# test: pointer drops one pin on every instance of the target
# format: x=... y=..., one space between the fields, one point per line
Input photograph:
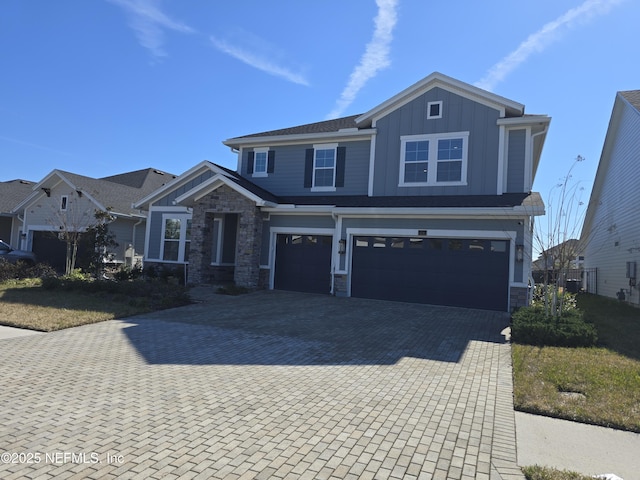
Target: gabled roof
x=326 y=126
x=147 y=179
x=362 y=125
x=12 y=193
x=509 y=108
x=624 y=100
x=104 y=193
x=633 y=97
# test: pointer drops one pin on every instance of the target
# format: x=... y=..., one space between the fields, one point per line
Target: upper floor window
x=324 y=166
x=435 y=159
x=64 y=200
x=260 y=162
x=434 y=110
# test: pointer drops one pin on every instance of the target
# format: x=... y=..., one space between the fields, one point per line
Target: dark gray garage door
x=303 y=263
x=442 y=271
x=49 y=249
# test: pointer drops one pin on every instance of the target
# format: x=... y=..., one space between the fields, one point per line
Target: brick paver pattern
x=260 y=386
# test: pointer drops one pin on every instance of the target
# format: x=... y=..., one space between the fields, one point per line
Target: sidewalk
x=586 y=449
x=10 y=332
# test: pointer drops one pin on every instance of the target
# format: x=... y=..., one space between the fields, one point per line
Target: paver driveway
x=265 y=385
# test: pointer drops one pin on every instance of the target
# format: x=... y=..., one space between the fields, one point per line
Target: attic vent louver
x=158 y=172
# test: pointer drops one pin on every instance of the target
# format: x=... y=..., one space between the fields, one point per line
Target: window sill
x=323 y=189
x=259 y=175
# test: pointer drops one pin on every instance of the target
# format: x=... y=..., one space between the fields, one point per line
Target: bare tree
x=558 y=238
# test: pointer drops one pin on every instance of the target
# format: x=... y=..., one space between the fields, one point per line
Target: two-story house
x=611 y=229
x=424 y=198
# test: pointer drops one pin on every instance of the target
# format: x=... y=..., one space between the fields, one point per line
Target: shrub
x=532 y=326
x=563 y=297
x=20 y=270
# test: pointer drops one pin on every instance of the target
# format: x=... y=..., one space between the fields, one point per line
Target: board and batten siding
x=287 y=178
x=168 y=199
x=516 y=160
x=459 y=114
x=615 y=229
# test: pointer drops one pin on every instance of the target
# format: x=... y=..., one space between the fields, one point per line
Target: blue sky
x=106 y=86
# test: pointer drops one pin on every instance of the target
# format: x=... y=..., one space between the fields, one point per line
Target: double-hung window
x=176 y=238
x=260 y=162
x=434 y=159
x=324 y=167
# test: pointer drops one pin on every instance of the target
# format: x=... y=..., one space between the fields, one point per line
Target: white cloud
x=149 y=23
x=375 y=58
x=541 y=39
x=33 y=145
x=260 y=60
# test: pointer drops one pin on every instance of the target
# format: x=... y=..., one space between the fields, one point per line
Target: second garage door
x=303 y=263
x=442 y=271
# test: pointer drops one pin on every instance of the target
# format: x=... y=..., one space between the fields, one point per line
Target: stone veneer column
x=248 y=239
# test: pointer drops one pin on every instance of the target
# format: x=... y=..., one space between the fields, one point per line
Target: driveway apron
x=265 y=385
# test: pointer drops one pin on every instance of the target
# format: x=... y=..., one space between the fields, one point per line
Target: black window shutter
x=250 y=158
x=340 y=164
x=308 y=168
x=271 y=161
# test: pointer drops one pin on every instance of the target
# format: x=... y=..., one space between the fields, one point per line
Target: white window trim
x=324 y=146
x=183 y=232
x=64 y=201
x=432 y=171
x=216 y=261
x=264 y=173
x=433 y=117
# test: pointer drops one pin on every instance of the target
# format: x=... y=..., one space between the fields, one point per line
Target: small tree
x=557 y=242
x=101 y=240
x=71 y=222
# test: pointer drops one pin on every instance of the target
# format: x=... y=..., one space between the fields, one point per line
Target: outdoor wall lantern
x=519 y=253
x=342 y=246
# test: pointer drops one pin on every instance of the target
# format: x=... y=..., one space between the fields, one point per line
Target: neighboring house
x=424 y=198
x=11 y=194
x=562 y=262
x=611 y=231
x=567 y=254
x=68 y=201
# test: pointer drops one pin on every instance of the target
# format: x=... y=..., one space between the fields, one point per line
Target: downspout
x=334 y=215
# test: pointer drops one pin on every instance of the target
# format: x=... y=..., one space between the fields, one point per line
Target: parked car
x=12 y=256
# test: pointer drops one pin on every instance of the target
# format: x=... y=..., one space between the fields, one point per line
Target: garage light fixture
x=519 y=253
x=342 y=246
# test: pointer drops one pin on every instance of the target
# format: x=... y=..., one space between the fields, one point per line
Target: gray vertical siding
x=155 y=234
x=288 y=176
x=167 y=200
x=458 y=115
x=516 y=160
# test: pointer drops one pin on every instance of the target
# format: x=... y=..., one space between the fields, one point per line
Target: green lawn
x=26 y=304
x=600 y=385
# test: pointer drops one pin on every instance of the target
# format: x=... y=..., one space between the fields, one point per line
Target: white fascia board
x=216 y=182
x=37 y=189
x=176 y=183
x=38 y=192
x=276 y=140
x=434 y=80
x=524 y=121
